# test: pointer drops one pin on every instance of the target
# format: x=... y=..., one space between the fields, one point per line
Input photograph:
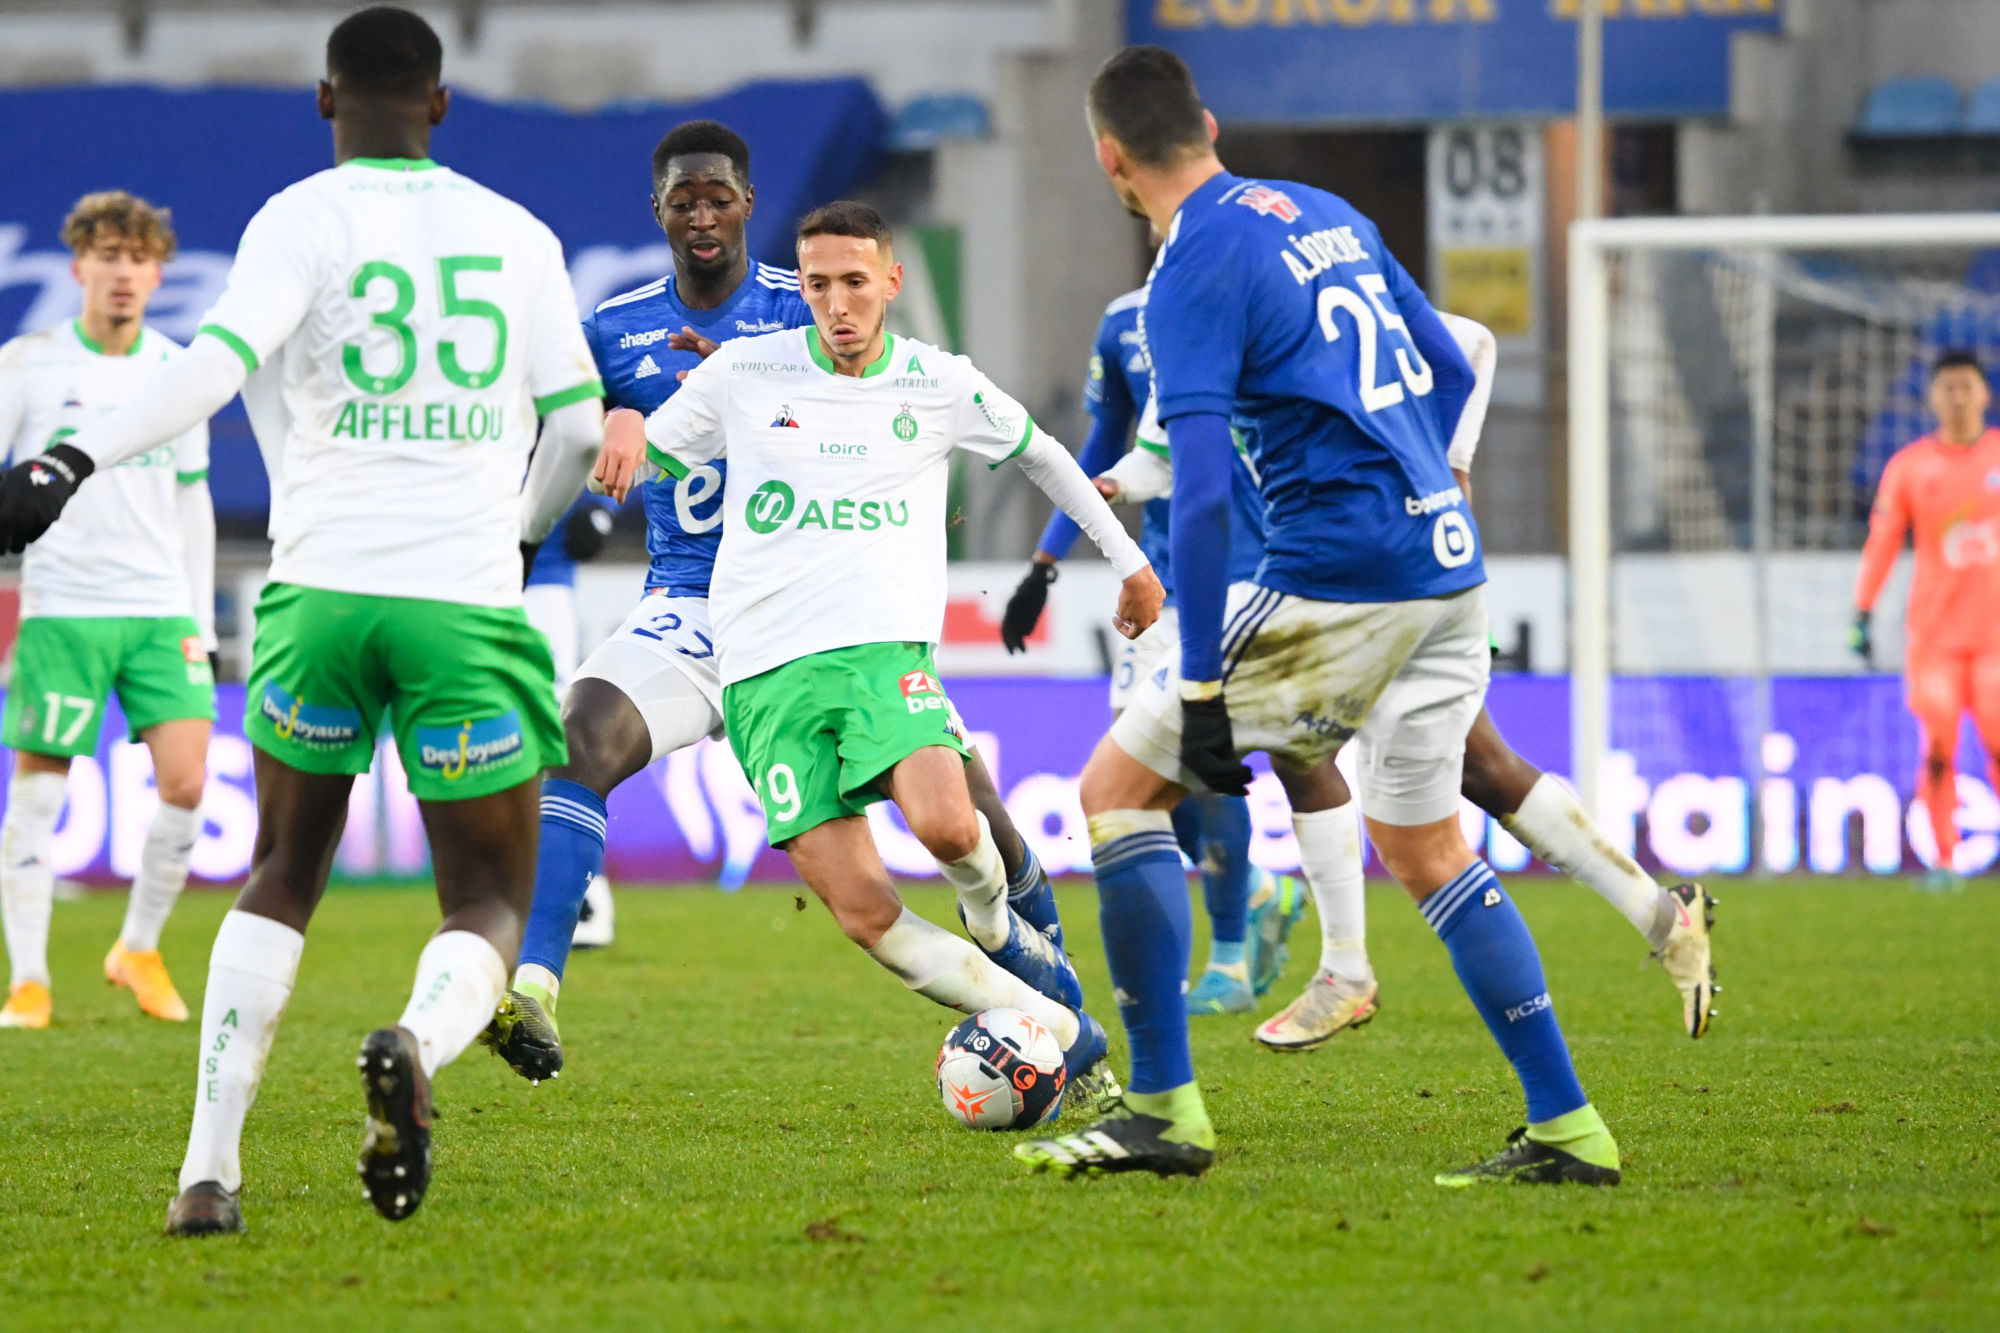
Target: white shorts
x=1301 y=677
x=663 y=659
x=1141 y=657
x=551 y=608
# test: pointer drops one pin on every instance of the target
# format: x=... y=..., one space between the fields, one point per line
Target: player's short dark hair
x=845 y=217
x=1954 y=358
x=385 y=51
x=1145 y=98
x=692 y=137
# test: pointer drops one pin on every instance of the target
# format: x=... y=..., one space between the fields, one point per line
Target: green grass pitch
x=747 y=1137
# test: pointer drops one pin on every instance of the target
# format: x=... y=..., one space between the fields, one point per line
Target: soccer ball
x=1001 y=1070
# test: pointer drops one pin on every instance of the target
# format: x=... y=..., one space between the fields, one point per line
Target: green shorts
x=65 y=667
x=814 y=734
x=470 y=690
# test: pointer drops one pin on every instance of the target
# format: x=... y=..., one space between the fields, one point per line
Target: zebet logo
x=921 y=691
x=770 y=505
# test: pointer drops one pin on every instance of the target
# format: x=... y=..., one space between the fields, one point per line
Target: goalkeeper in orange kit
x=1944 y=490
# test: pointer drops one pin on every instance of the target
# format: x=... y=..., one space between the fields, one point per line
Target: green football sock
x=1582 y=1134
x=1182 y=1107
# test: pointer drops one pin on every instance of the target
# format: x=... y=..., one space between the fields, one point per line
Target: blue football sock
x=572 y=855
x=1024 y=879
x=1187 y=828
x=1496 y=962
x=1148 y=928
x=1225 y=864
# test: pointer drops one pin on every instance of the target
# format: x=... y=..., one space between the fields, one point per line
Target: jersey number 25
x=1374 y=394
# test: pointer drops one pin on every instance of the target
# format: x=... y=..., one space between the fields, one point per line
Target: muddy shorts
x=1303 y=677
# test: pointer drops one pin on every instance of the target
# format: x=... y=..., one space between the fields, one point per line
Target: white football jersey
x=117 y=550
x=405 y=328
x=834 y=519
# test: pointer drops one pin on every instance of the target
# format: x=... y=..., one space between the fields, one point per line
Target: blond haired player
x=399 y=330
x=117 y=599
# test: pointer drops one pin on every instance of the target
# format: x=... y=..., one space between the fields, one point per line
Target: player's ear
x=1208 y=119
x=749 y=198
x=1108 y=155
x=441 y=103
x=324 y=99
x=895 y=282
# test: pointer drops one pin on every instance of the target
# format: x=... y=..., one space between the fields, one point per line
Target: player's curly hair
x=1145 y=98
x=692 y=137
x=108 y=213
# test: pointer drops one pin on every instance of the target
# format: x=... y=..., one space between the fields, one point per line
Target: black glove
x=1208 y=749
x=586 y=532
x=529 y=550
x=1860 y=638
x=1024 y=608
x=32 y=494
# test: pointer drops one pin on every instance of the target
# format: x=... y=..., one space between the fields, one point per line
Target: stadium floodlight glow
x=1594 y=246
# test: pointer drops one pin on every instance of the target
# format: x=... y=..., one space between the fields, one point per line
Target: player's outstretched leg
x=1343 y=993
x=1161 y=1124
x=27 y=884
x=929 y=787
x=250 y=975
x=1549 y=821
x=1497 y=963
x=1029 y=892
x=609 y=741
x=1214 y=833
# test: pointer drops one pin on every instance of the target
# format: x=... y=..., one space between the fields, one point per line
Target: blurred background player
x=550 y=602
x=395 y=590
x=1944 y=491
x=1328 y=358
x=118 y=598
x=830 y=598
x=1247 y=925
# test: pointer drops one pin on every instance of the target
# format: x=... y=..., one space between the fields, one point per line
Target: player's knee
x=949 y=835
x=1938 y=764
x=181 y=789
x=866 y=922
x=601 y=749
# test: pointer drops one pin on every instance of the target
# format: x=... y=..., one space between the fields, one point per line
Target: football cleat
x=28 y=1006
x=596 y=921
x=1029 y=955
x=395 y=1163
x=1088 y=1081
x=204 y=1209
x=1124 y=1140
x=1525 y=1162
x=1328 y=1005
x=1942 y=879
x=1685 y=955
x=145 y=975
x=524 y=1034
x=1219 y=993
x=1271 y=922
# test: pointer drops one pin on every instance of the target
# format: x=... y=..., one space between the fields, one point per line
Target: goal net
x=1736 y=387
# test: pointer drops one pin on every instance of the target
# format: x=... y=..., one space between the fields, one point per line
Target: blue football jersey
x=1277 y=305
x=628 y=337
x=1120 y=382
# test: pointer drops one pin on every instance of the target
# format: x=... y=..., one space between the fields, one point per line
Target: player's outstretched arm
x=181 y=394
x=1202 y=446
x=196 y=510
x=565 y=454
x=1057 y=476
x=1024 y=608
x=1482 y=350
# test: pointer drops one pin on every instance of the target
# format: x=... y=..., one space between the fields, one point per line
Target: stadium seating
x=1911 y=107
x=1982 y=110
x=924 y=122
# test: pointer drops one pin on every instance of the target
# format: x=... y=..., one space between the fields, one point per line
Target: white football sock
x=250 y=973
x=1552 y=825
x=27 y=870
x=460 y=979
x=1330 y=859
x=981 y=881
x=940 y=966
x=163 y=873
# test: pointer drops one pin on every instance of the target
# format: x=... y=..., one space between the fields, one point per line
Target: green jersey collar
x=825 y=362
x=391 y=163
x=91 y=344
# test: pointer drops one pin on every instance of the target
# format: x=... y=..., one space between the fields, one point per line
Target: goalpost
x=1734 y=386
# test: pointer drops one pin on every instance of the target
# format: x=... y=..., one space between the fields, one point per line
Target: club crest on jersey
x=1270 y=203
x=785 y=417
x=905 y=425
